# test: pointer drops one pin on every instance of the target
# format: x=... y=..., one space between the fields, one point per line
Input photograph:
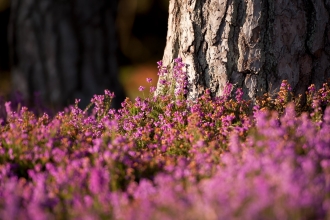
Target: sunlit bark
x=251 y=43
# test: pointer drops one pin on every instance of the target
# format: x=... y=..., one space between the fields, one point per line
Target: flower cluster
x=164 y=157
x=175 y=83
x=180 y=77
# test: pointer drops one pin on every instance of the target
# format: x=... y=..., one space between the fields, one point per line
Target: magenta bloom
x=149 y=80
x=162 y=81
x=141 y=88
x=152 y=89
x=110 y=94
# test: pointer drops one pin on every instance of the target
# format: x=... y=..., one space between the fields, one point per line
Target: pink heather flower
x=311 y=88
x=162 y=81
x=162 y=70
x=286 y=85
x=152 y=89
x=227 y=91
x=160 y=63
x=8 y=108
x=178 y=60
x=141 y=88
x=110 y=94
x=239 y=95
x=149 y=80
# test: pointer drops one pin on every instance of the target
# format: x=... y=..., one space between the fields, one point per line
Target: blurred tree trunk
x=254 y=44
x=4 y=50
x=64 y=49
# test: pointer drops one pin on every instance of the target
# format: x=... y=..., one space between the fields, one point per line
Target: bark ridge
x=252 y=43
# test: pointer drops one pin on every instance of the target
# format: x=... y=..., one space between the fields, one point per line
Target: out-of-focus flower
x=149 y=80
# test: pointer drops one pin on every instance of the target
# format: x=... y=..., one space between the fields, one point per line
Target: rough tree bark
x=64 y=49
x=254 y=44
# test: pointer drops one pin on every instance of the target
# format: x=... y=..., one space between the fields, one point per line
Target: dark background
x=141 y=27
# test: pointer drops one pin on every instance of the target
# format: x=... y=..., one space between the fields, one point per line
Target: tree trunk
x=252 y=43
x=64 y=49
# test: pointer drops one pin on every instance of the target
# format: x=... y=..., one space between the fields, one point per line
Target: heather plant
x=166 y=157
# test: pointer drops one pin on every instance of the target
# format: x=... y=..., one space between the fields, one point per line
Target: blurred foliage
x=4 y=4
x=142 y=28
x=134 y=76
